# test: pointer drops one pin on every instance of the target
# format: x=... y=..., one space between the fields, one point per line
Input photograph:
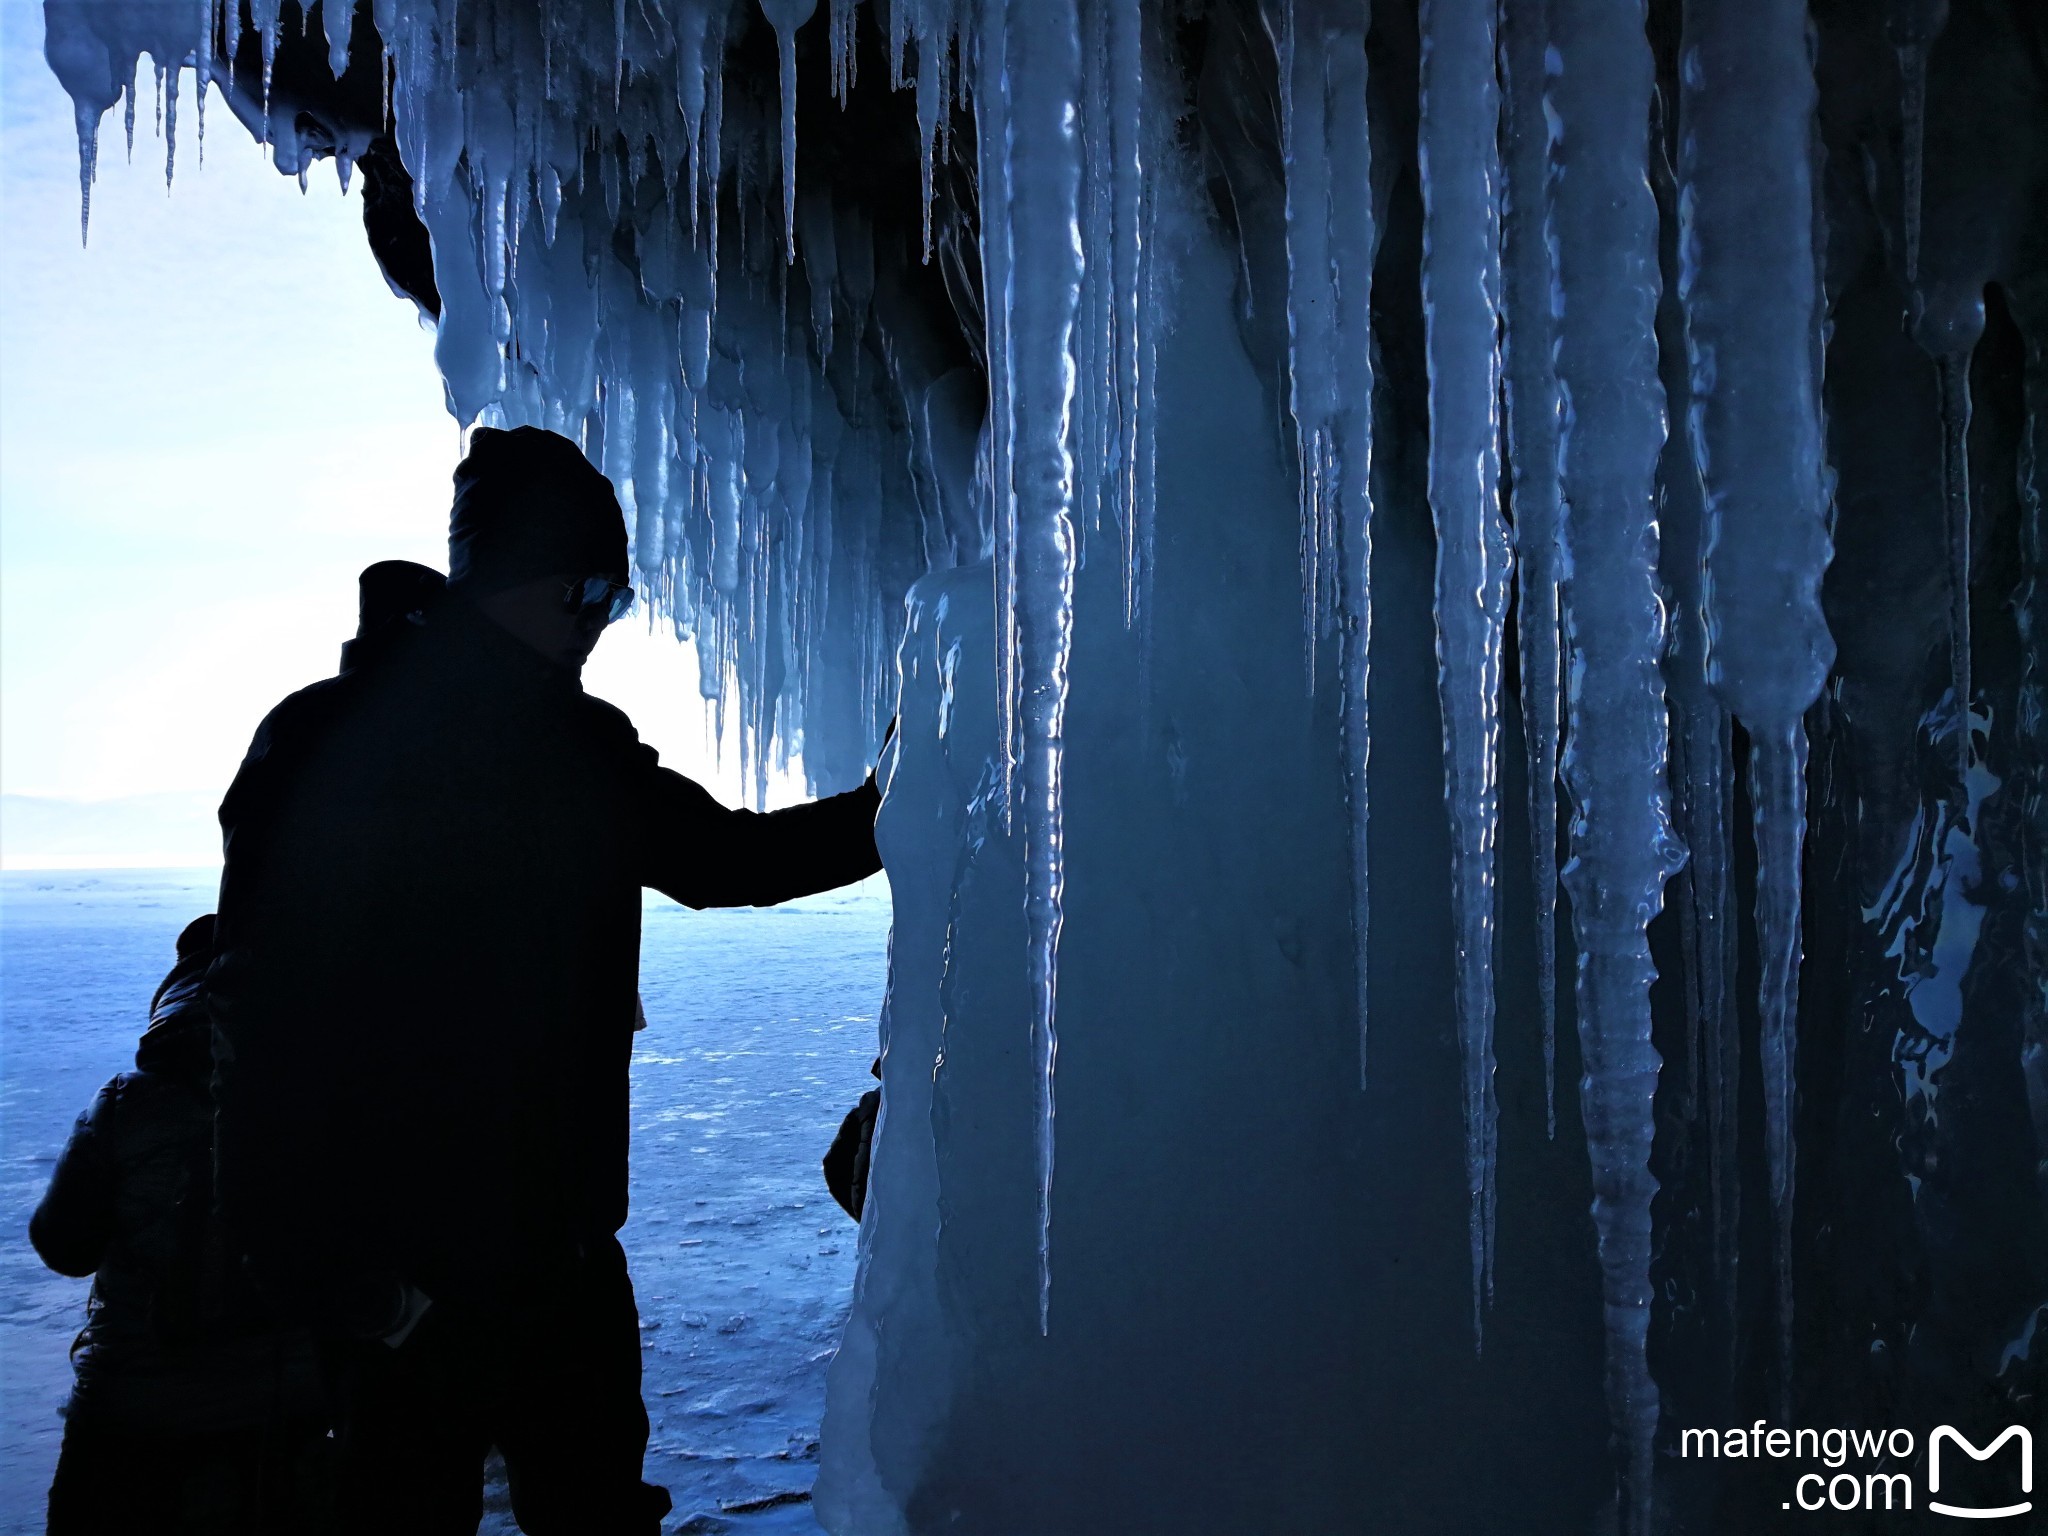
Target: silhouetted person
x=430 y=920
x=193 y=1411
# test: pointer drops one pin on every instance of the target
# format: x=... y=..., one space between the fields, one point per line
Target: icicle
x=993 y=142
x=1145 y=473
x=202 y=70
x=786 y=16
x=933 y=35
x=1331 y=241
x=231 y=16
x=618 y=52
x=1778 y=796
x=171 y=129
x=1603 y=226
x=901 y=19
x=1749 y=279
x=1532 y=416
x=268 y=37
x=1461 y=277
x=128 y=106
x=1310 y=310
x=1094 y=345
x=845 y=20
x=1702 y=782
x=1913 y=27
x=337 y=18
x=1039 y=94
x=88 y=122
x=1129 y=251
x=1954 y=369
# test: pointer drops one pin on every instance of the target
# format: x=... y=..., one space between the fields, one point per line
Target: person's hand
x=888 y=736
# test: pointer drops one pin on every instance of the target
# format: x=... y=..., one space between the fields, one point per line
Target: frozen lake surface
x=761 y=1025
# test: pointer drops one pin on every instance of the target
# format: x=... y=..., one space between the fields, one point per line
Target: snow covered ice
x=1262 y=451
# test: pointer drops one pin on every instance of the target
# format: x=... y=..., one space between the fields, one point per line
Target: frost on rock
x=1192 y=419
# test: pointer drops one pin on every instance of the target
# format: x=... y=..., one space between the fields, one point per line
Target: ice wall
x=1200 y=420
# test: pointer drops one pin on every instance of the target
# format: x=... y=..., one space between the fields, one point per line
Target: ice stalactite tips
x=1331 y=244
x=1603 y=227
x=96 y=55
x=1750 y=282
x=1461 y=282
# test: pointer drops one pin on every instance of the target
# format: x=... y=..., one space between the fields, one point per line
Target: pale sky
x=211 y=417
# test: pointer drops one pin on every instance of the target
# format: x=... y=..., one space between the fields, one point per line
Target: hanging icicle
x=1603 y=226
x=786 y=16
x=1461 y=280
x=1037 y=94
x=1750 y=283
x=1532 y=423
x=1331 y=243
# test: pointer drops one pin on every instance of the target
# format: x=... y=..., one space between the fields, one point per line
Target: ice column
x=1039 y=101
x=1749 y=278
x=1461 y=280
x=1603 y=222
x=1331 y=242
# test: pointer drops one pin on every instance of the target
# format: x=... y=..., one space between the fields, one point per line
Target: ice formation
x=1530 y=396
x=1750 y=285
x=1603 y=229
x=1331 y=244
x=1460 y=162
x=1191 y=419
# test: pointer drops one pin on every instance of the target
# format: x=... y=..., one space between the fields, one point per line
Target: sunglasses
x=595 y=595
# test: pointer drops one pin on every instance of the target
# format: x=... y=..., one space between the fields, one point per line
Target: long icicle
x=1913 y=26
x=993 y=144
x=1461 y=278
x=1777 y=768
x=1311 y=311
x=1954 y=371
x=1531 y=379
x=1702 y=779
x=1131 y=310
x=1040 y=91
x=787 y=17
x=1603 y=223
x=1331 y=240
x=1750 y=282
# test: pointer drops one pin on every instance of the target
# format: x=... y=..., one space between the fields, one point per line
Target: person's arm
x=74 y=1222
x=704 y=854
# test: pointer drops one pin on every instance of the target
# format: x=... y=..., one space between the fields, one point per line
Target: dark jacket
x=430 y=930
x=172 y=1344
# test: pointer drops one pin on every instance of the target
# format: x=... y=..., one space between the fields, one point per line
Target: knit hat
x=529 y=504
